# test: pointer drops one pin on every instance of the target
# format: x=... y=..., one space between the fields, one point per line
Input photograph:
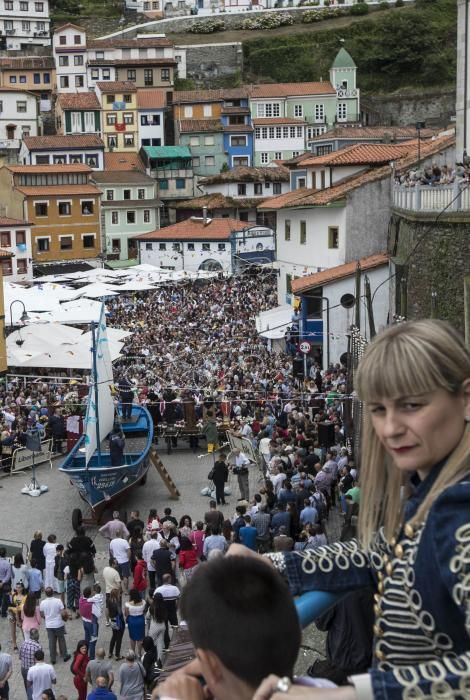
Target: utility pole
x=370 y=310
x=357 y=316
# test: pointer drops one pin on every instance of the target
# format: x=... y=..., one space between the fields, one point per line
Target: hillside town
x=234 y=369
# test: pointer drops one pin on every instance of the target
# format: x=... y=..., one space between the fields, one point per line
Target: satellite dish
x=347 y=301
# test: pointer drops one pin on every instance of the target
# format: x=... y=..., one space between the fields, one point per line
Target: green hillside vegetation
x=411 y=48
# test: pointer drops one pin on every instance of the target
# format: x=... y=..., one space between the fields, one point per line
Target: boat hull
x=99 y=483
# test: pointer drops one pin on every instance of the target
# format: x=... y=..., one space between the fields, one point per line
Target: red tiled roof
x=5 y=221
x=237 y=128
x=278 y=120
x=235 y=110
x=58 y=168
x=302 y=284
x=217 y=201
x=151 y=98
x=79 y=100
x=53 y=190
x=291 y=89
x=218 y=95
x=373 y=132
x=123 y=161
x=245 y=173
x=188 y=126
x=130 y=43
x=194 y=229
x=68 y=24
x=132 y=62
x=71 y=141
x=27 y=63
x=363 y=154
x=117 y=86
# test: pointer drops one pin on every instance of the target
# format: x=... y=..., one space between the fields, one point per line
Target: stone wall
x=435 y=107
x=208 y=63
x=439 y=260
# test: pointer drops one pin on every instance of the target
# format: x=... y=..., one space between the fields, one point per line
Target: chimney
x=205 y=220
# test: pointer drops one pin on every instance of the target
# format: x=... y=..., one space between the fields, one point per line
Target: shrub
x=384 y=5
x=268 y=21
x=207 y=26
x=361 y=8
x=399 y=3
x=312 y=16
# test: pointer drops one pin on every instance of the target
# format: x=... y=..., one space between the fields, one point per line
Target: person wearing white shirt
x=41 y=676
x=147 y=550
x=51 y=610
x=121 y=551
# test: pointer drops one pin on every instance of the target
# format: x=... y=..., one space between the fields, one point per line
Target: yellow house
x=118 y=101
x=206 y=104
x=33 y=73
x=62 y=205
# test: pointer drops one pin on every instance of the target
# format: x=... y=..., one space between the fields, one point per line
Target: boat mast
x=95 y=379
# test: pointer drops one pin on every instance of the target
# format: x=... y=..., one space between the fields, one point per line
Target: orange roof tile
x=151 y=99
x=59 y=190
x=30 y=169
x=291 y=89
x=71 y=141
x=79 y=100
x=123 y=161
x=373 y=132
x=362 y=154
x=218 y=95
x=195 y=229
x=129 y=43
x=188 y=126
x=278 y=120
x=5 y=221
x=117 y=86
x=132 y=62
x=302 y=284
x=217 y=201
x=246 y=173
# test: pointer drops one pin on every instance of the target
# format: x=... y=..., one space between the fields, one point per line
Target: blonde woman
x=414 y=521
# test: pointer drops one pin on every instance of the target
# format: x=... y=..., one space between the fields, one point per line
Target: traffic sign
x=305 y=347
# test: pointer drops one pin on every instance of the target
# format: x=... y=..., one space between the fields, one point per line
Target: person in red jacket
x=188 y=558
x=79 y=664
x=140 y=575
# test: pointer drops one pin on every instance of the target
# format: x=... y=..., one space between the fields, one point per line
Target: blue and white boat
x=88 y=464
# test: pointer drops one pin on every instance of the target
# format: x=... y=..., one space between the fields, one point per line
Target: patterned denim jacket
x=422 y=605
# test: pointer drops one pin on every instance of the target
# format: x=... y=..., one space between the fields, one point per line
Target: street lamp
x=24 y=316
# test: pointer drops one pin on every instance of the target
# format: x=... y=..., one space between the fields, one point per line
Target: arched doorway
x=211 y=265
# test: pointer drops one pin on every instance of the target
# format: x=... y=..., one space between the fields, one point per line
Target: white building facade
x=25 y=23
x=70 y=55
x=18 y=117
x=15 y=238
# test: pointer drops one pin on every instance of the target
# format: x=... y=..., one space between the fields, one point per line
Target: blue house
x=238 y=132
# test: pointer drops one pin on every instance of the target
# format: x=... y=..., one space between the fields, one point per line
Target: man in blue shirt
x=101 y=691
x=248 y=534
x=309 y=514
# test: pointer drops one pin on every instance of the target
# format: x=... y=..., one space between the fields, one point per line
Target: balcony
x=427 y=198
x=344 y=93
x=10 y=32
x=170 y=174
x=9 y=144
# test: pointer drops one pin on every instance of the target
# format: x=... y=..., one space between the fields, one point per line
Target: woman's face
x=419 y=431
x=83 y=649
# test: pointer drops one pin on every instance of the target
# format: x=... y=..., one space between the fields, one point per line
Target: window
x=91 y=160
x=110 y=99
x=148 y=246
x=287 y=230
x=238 y=140
x=322 y=178
x=258 y=188
x=65 y=208
x=95 y=74
x=180 y=183
x=131 y=74
x=79 y=81
x=126 y=194
x=176 y=247
x=207 y=110
x=240 y=160
x=24 y=6
x=221 y=246
x=276 y=188
x=188 y=111
x=100 y=55
x=319 y=113
x=324 y=150
x=301 y=182
x=303 y=232
x=163 y=184
x=40 y=208
x=194 y=140
x=196 y=161
x=20 y=238
x=112 y=142
x=8 y=4
x=43 y=245
x=128 y=118
x=162 y=246
x=88 y=241
x=342 y=111
x=141 y=193
x=78 y=60
x=165 y=74
x=333 y=237
x=209 y=140
x=191 y=246
x=21 y=106
x=77 y=39
x=209 y=160
x=114 y=217
x=106 y=73
x=264 y=157
x=5 y=239
x=298 y=111
x=25 y=26
x=109 y=195
x=64 y=81
x=36 y=78
x=63 y=60
x=127 y=99
x=130 y=217
x=7 y=267
x=148 y=77
x=128 y=140
x=111 y=118
x=66 y=242
x=88 y=207
x=62 y=39
x=146 y=216
x=268 y=109
x=257 y=132
x=241 y=189
x=21 y=266
x=22 y=78
x=12 y=79
x=42 y=160
x=278 y=155
x=206 y=246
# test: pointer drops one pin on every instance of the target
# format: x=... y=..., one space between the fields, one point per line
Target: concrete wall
x=368 y=215
x=436 y=107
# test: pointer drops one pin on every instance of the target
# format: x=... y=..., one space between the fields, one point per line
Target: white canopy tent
x=272 y=324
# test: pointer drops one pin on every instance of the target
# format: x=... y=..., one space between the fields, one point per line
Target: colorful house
x=78 y=113
x=119 y=114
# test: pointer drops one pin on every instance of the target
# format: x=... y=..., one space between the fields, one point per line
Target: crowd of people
x=433 y=175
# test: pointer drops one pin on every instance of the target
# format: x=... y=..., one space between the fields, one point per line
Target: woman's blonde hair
x=408 y=359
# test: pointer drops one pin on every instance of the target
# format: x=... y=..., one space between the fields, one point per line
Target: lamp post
x=24 y=316
x=419 y=126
